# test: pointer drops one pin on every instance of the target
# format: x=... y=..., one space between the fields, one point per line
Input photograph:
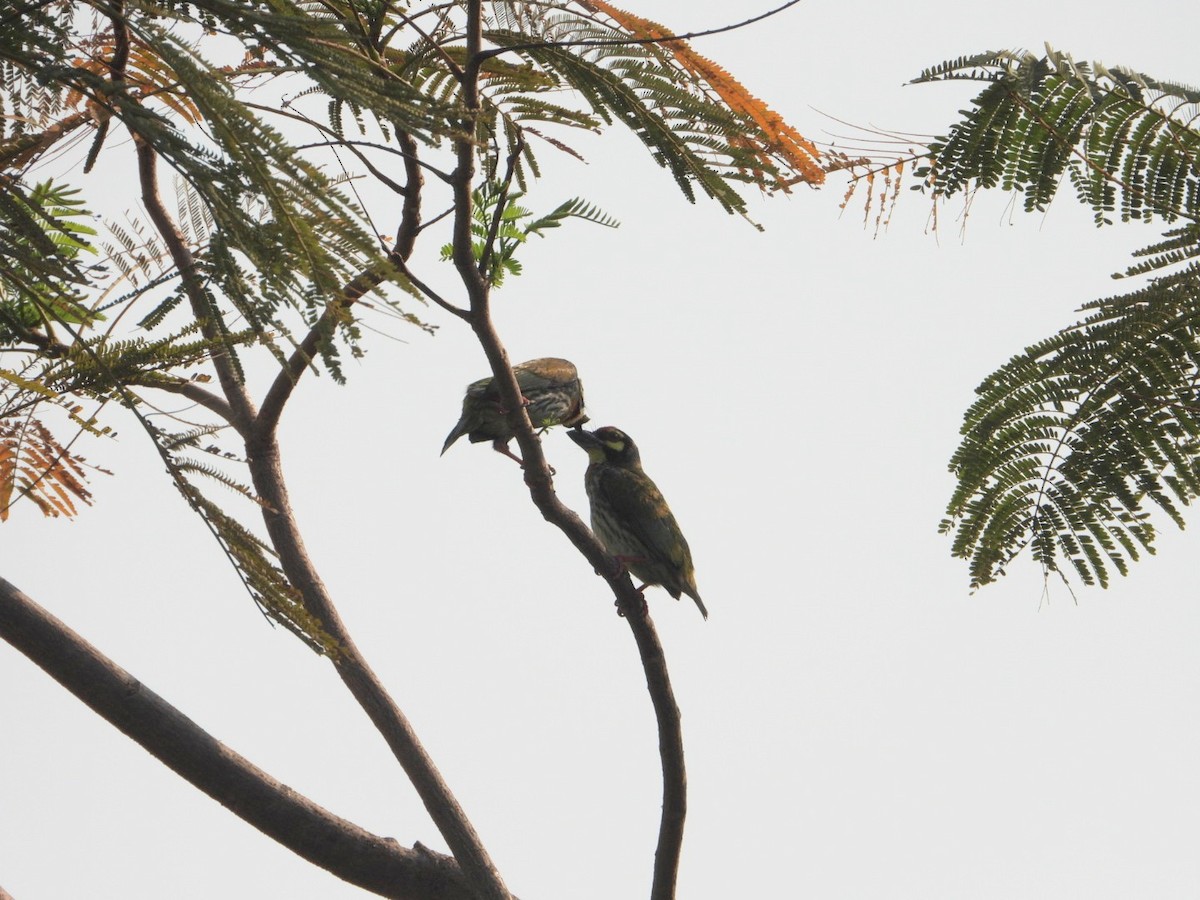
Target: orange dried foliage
x=145 y=74
x=780 y=140
x=33 y=464
x=8 y=477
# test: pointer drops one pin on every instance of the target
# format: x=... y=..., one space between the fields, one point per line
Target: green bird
x=630 y=516
x=551 y=388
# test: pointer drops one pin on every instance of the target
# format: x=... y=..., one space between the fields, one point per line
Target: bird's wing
x=640 y=505
x=538 y=374
x=483 y=389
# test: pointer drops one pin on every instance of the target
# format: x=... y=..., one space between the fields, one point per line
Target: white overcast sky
x=857 y=724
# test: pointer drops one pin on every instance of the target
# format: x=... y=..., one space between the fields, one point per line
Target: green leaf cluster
x=499 y=228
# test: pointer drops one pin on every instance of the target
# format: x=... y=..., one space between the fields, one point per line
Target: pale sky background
x=857 y=724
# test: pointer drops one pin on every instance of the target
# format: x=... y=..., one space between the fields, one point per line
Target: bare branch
x=631 y=604
x=371 y=862
x=189 y=389
x=429 y=292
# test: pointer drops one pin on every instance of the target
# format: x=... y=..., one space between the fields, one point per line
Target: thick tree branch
x=262 y=451
x=371 y=862
x=364 y=685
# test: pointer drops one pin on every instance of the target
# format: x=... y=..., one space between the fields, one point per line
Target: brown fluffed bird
x=551 y=388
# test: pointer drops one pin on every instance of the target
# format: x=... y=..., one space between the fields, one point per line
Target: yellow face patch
x=616 y=446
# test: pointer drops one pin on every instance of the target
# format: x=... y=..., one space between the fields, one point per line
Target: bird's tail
x=459 y=430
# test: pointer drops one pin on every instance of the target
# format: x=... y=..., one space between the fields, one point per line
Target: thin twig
x=501 y=202
x=325 y=129
x=624 y=42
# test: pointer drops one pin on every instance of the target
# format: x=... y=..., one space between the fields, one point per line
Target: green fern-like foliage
x=696 y=121
x=309 y=144
x=500 y=228
x=43 y=231
x=1075 y=442
x=1126 y=142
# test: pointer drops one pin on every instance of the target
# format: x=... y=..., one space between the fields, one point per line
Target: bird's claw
x=645 y=608
x=523 y=402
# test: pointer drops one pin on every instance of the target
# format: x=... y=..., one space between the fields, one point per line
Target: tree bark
x=374 y=863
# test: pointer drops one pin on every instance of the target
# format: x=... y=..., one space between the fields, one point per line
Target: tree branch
x=366 y=688
x=189 y=389
x=371 y=862
x=631 y=604
x=263 y=459
x=539 y=480
x=227 y=375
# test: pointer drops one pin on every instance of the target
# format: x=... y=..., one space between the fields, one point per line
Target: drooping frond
x=256 y=565
x=780 y=147
x=1127 y=142
x=1074 y=442
x=42 y=233
x=1073 y=445
x=696 y=120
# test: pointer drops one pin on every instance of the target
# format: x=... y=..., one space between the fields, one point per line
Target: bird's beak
x=589 y=442
x=584 y=439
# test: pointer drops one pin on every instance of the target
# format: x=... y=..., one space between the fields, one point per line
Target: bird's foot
x=501 y=447
x=645 y=607
x=524 y=402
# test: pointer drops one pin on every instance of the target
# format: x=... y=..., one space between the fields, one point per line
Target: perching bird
x=630 y=516
x=552 y=389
